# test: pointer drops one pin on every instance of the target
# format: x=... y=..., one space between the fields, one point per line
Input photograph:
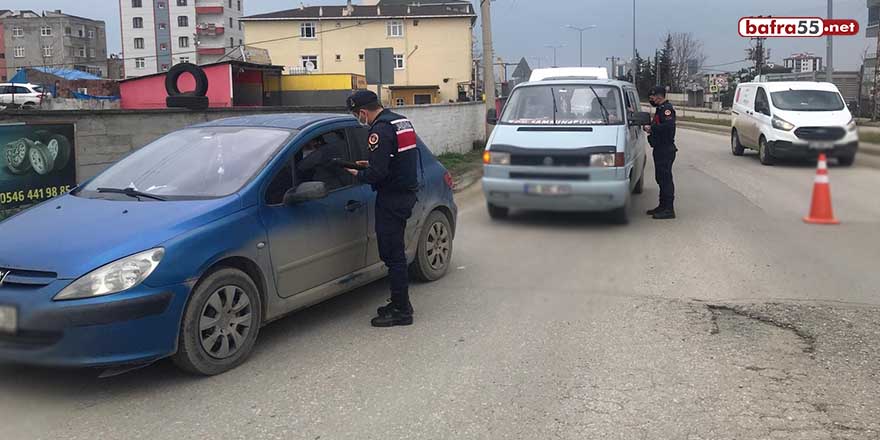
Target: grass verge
x=719 y=122
x=460 y=163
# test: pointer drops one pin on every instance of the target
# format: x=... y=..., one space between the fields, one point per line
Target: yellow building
x=432 y=44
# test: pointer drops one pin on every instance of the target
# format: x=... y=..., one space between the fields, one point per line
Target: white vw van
x=792 y=120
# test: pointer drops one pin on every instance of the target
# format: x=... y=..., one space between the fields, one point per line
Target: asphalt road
x=736 y=321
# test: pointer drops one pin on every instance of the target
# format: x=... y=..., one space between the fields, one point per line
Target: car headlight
x=118 y=276
x=782 y=124
x=851 y=125
x=608 y=160
x=496 y=158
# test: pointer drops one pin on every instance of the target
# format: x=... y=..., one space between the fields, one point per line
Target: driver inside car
x=317 y=161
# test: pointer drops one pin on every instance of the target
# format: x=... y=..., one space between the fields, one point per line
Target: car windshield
x=193 y=163
x=580 y=104
x=807 y=100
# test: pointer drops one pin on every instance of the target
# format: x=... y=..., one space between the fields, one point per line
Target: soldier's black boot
x=664 y=214
x=394 y=315
x=652 y=211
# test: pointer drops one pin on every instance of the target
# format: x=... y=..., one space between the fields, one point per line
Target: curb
x=466 y=180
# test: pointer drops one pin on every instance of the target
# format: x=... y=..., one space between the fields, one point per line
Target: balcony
x=209 y=10
x=210 y=30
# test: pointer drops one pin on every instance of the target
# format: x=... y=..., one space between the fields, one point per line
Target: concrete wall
x=104 y=137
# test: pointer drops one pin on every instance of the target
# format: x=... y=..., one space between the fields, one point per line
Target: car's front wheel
x=434 y=252
x=764 y=153
x=736 y=147
x=220 y=323
x=498 y=212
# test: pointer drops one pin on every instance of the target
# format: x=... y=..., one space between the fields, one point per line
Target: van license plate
x=543 y=189
x=8 y=319
x=821 y=145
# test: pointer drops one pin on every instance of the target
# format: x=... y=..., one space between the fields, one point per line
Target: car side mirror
x=492 y=116
x=305 y=192
x=639 y=118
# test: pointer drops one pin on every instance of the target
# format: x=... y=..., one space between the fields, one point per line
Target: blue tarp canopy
x=68 y=74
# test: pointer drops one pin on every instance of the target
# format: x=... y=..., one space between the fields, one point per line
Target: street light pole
x=554 y=47
x=829 y=55
x=581 y=31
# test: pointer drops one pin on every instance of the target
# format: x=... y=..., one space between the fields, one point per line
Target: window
x=47 y=51
x=338 y=58
x=137 y=3
x=19 y=52
x=314 y=163
x=82 y=52
x=183 y=21
x=807 y=100
x=184 y=59
x=230 y=4
x=17 y=32
x=231 y=24
x=563 y=105
x=308 y=30
x=231 y=42
x=398 y=62
x=181 y=2
x=68 y=31
x=45 y=31
x=137 y=23
x=240 y=42
x=91 y=34
x=92 y=52
x=762 y=105
x=138 y=43
x=239 y=24
x=395 y=28
x=310 y=62
x=183 y=42
x=81 y=32
x=239 y=5
x=421 y=99
x=139 y=63
x=400 y=102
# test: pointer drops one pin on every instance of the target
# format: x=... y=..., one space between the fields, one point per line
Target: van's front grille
x=540 y=176
x=820 y=133
x=553 y=160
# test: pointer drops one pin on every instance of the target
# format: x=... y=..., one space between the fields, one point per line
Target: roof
x=413 y=87
x=381 y=11
x=68 y=74
x=233 y=62
x=575 y=81
x=569 y=72
x=288 y=121
x=777 y=86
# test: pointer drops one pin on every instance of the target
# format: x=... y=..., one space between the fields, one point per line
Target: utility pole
x=613 y=66
x=829 y=53
x=555 y=47
x=635 y=61
x=488 y=68
x=876 y=91
x=581 y=30
x=758 y=55
x=656 y=68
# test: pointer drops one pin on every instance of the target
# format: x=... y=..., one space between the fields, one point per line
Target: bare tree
x=687 y=52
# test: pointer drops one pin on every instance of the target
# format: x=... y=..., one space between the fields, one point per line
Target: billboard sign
x=36 y=163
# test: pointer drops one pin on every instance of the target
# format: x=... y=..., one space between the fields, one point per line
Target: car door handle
x=353 y=205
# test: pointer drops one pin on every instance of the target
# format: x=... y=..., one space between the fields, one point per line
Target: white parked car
x=25 y=95
x=792 y=120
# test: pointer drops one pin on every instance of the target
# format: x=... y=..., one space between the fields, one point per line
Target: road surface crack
x=719 y=310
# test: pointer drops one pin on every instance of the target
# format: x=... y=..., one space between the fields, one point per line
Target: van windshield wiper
x=131 y=192
x=602 y=105
x=555 y=108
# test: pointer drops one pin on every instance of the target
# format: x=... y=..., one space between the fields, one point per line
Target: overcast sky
x=526 y=27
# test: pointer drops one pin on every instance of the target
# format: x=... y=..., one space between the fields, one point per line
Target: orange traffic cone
x=820 y=211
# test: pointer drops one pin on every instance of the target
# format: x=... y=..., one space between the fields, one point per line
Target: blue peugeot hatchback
x=189 y=245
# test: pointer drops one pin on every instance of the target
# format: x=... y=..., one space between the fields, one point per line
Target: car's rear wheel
x=220 y=324
x=847 y=160
x=764 y=153
x=736 y=147
x=498 y=212
x=434 y=252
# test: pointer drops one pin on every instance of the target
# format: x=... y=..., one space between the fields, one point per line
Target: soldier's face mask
x=361 y=116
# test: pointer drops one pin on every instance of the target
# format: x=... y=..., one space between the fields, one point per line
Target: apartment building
x=432 y=44
x=51 y=39
x=803 y=62
x=157 y=34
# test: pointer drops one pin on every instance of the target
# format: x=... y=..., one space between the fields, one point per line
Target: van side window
x=762 y=105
